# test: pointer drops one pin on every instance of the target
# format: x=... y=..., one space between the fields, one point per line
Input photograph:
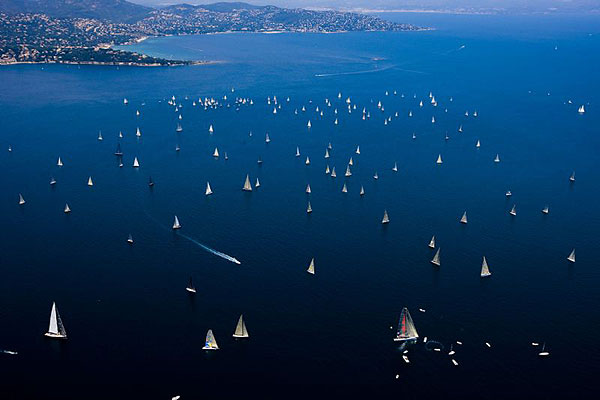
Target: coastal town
x=38 y=37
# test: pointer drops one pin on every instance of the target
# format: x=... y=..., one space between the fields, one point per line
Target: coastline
x=115 y=64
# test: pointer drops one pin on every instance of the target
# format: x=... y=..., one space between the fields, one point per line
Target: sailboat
x=150 y=181
x=125 y=101
x=309 y=124
x=52 y=181
x=478 y=144
x=362 y=190
x=351 y=161
x=176 y=224
x=572 y=256
x=386 y=218
x=130 y=239
x=497 y=159
x=267 y=138
x=572 y=177
x=326 y=153
x=439 y=159
x=463 y=219
x=100 y=136
x=581 y=109
x=395 y=168
x=247 y=186
x=406 y=328
x=308 y=191
x=21 y=199
x=138 y=133
x=211 y=342
x=56 y=328
x=485 y=269
x=118 y=151
x=120 y=135
x=307 y=162
x=327 y=170
x=136 y=163
x=208 y=189
x=59 y=162
x=432 y=242
x=309 y=208
x=311 y=267
x=179 y=128
x=513 y=210
x=297 y=151
x=216 y=153
x=190 y=287
x=460 y=129
x=210 y=129
x=348 y=172
x=545 y=210
x=376 y=176
x=257 y=184
x=67 y=209
x=436 y=258
x=344 y=188
x=508 y=193
x=544 y=353
x=240 y=329
x=333 y=174
x=357 y=149
x=90 y=182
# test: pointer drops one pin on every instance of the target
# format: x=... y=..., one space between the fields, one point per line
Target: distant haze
x=440 y=5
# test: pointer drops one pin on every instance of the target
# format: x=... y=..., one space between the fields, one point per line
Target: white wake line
x=213 y=251
x=369 y=71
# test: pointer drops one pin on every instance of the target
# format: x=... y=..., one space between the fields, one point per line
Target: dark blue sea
x=133 y=330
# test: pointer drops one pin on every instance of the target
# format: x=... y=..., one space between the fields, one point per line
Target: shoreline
x=114 y=64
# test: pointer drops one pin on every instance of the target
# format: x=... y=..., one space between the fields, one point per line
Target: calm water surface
x=133 y=330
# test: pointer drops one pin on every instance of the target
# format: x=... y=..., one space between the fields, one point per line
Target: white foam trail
x=9 y=352
x=215 y=252
x=355 y=72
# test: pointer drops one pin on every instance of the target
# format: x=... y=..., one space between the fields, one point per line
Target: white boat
x=176 y=224
x=216 y=153
x=572 y=256
x=211 y=342
x=439 y=159
x=208 y=189
x=543 y=353
x=513 y=210
x=308 y=191
x=130 y=239
x=67 y=209
x=432 y=242
x=508 y=193
x=406 y=328
x=545 y=210
x=436 y=258
x=309 y=124
x=451 y=352
x=56 y=328
x=376 y=176
x=463 y=219
x=240 y=329
x=362 y=190
x=348 y=172
x=344 y=188
x=311 y=267
x=333 y=174
x=210 y=129
x=395 y=167
x=357 y=149
x=351 y=161
x=21 y=199
x=309 y=208
x=485 y=269
x=581 y=109
x=59 y=162
x=100 y=136
x=257 y=184
x=190 y=287
x=297 y=151
x=327 y=170
x=454 y=362
x=138 y=133
x=478 y=144
x=405 y=358
x=267 y=138
x=90 y=182
x=307 y=162
x=497 y=159
x=247 y=185
x=125 y=101
x=326 y=153
x=572 y=177
x=136 y=163
x=386 y=218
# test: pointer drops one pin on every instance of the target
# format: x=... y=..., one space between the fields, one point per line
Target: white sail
x=463 y=219
x=344 y=188
x=138 y=133
x=309 y=208
x=351 y=161
x=439 y=159
x=240 y=329
x=572 y=177
x=395 y=168
x=90 y=182
x=297 y=151
x=308 y=189
x=67 y=209
x=485 y=269
x=545 y=210
x=386 y=218
x=21 y=199
x=326 y=153
x=210 y=129
x=376 y=176
x=257 y=184
x=247 y=186
x=513 y=210
x=362 y=190
x=572 y=256
x=267 y=138
x=56 y=328
x=333 y=174
x=211 y=342
x=432 y=242
x=357 y=149
x=59 y=162
x=136 y=163
x=497 y=159
x=208 y=189
x=327 y=170
x=348 y=172
x=216 y=153
x=436 y=258
x=100 y=136
x=309 y=124
x=307 y=162
x=176 y=224
x=581 y=109
x=478 y=144
x=311 y=267
x=406 y=327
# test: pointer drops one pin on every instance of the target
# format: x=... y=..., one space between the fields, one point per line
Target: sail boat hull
x=55 y=335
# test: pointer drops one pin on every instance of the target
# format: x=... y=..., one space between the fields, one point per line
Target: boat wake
x=14 y=353
x=368 y=71
x=213 y=251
